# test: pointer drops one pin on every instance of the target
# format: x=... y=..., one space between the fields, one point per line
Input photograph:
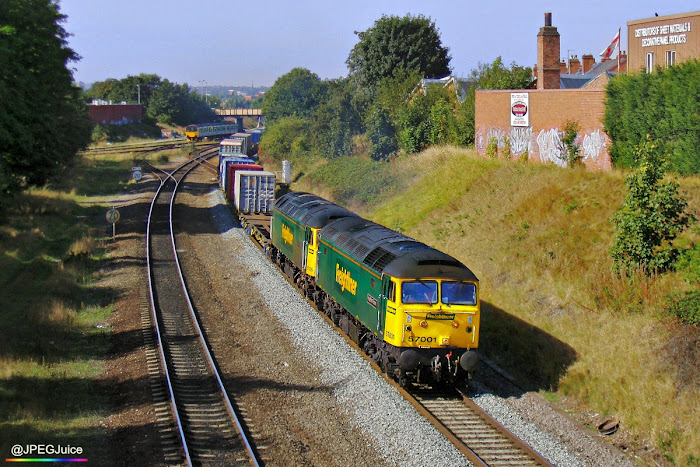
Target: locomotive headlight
x=455 y=324
x=409 y=328
x=469 y=329
x=424 y=324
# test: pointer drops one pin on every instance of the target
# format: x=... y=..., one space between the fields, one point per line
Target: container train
x=413 y=309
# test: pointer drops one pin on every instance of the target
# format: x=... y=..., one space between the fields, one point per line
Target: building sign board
x=664 y=34
x=519 y=109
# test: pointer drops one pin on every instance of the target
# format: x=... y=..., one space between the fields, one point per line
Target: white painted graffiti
x=551 y=146
x=592 y=145
x=520 y=140
x=480 y=142
x=499 y=134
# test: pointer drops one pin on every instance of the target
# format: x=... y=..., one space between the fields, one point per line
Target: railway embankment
x=556 y=317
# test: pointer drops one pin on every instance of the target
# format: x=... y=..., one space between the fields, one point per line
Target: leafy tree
x=381 y=133
x=337 y=119
x=443 y=127
x=287 y=138
x=126 y=89
x=178 y=103
x=465 y=119
x=498 y=76
x=651 y=217
x=394 y=44
x=296 y=93
x=43 y=118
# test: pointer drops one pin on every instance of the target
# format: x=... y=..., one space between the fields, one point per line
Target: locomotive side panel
x=352 y=285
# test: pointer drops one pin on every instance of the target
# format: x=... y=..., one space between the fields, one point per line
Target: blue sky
x=219 y=42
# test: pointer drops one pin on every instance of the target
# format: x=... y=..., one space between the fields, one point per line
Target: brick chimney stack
x=548 y=55
x=622 y=66
x=588 y=63
x=574 y=65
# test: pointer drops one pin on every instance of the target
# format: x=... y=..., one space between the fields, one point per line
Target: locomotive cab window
x=458 y=293
x=419 y=292
x=391 y=295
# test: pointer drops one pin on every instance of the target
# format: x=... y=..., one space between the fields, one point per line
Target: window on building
x=670 y=58
x=650 y=62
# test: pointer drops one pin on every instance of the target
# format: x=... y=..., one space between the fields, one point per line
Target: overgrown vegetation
x=665 y=105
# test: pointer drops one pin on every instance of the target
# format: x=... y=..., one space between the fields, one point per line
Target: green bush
x=686 y=306
x=286 y=138
x=492 y=148
x=651 y=217
x=573 y=150
x=689 y=264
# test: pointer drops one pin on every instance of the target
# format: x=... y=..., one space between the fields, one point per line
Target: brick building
x=531 y=120
x=115 y=114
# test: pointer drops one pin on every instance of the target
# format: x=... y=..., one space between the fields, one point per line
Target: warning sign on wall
x=519 y=109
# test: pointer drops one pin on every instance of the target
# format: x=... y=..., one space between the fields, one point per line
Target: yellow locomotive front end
x=435 y=324
x=192 y=133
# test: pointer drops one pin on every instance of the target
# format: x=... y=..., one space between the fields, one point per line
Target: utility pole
x=138 y=87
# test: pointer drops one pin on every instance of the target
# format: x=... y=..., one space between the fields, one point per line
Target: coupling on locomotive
x=413 y=309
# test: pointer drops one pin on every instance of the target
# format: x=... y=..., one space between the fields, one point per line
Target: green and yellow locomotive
x=412 y=308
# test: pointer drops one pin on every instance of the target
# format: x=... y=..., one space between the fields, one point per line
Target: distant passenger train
x=200 y=131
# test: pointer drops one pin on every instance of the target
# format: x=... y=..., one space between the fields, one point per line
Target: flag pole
x=619 y=50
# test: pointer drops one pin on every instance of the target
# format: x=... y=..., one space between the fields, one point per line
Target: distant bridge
x=239 y=112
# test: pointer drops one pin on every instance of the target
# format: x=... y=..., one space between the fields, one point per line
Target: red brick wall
x=118 y=114
x=549 y=109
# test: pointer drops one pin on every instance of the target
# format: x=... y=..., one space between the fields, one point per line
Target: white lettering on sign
x=664 y=34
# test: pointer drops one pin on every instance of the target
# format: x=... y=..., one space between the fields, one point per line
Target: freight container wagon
x=254 y=192
x=231 y=170
x=223 y=170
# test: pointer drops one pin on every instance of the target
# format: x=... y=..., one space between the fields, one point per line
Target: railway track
x=483 y=440
x=207 y=424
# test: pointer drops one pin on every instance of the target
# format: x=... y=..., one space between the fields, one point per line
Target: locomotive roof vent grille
x=361 y=250
x=379 y=258
x=439 y=262
x=343 y=238
x=352 y=244
x=330 y=231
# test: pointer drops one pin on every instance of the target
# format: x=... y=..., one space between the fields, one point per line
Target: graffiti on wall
x=520 y=140
x=551 y=147
x=498 y=133
x=593 y=144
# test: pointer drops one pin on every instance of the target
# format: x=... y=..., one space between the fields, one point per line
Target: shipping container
x=231 y=170
x=254 y=192
x=224 y=162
